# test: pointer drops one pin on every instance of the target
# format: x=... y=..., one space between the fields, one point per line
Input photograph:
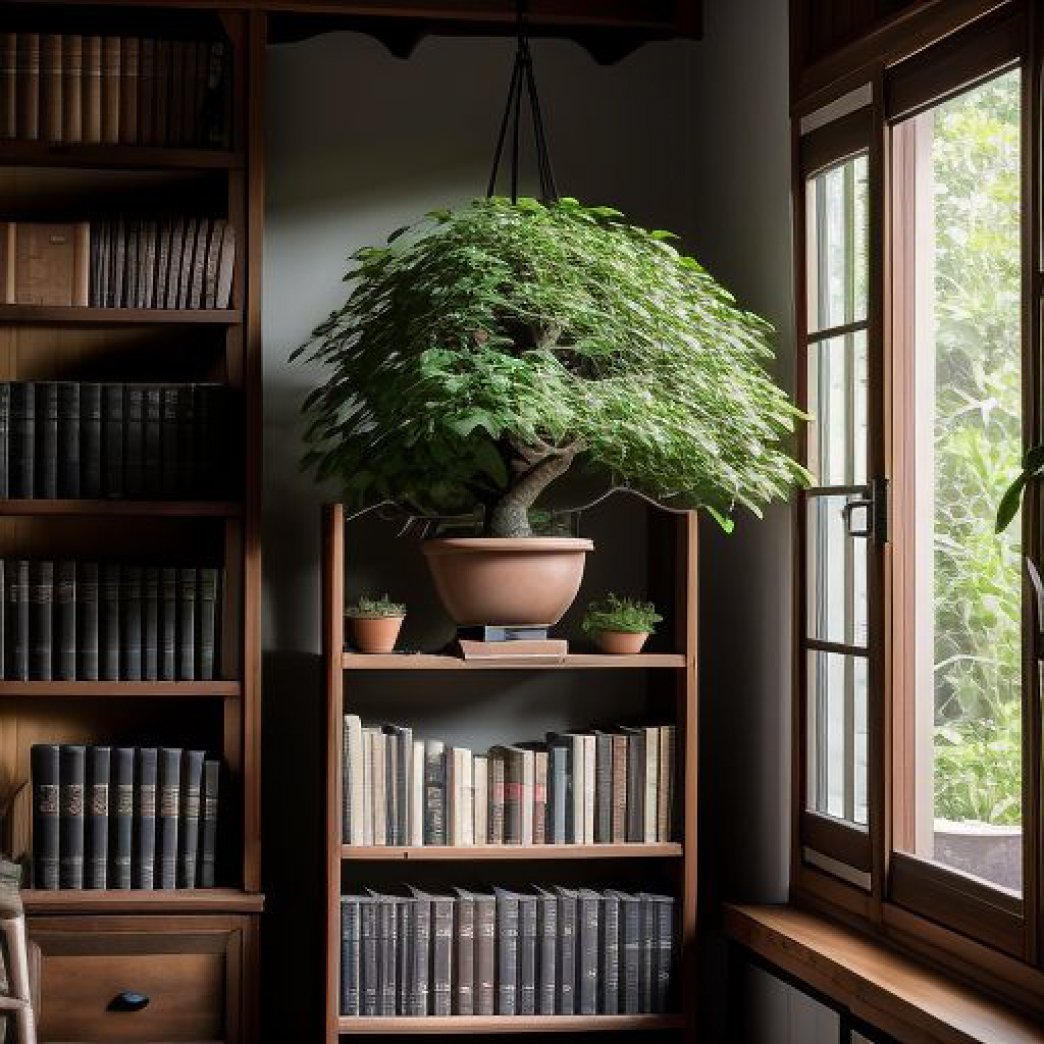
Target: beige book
x=354 y=779
x=665 y=791
x=652 y=781
x=379 y=789
x=590 y=748
x=480 y=798
x=416 y=816
x=45 y=264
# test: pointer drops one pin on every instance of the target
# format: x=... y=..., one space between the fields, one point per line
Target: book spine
x=146 y=772
x=442 y=956
x=23 y=439
x=153 y=460
x=558 y=795
x=514 y=796
x=87 y=621
x=68 y=451
x=208 y=843
x=51 y=87
x=130 y=623
x=631 y=960
x=110 y=90
x=507 y=953
x=547 y=953
x=386 y=939
x=464 y=980
x=495 y=816
x=169 y=442
x=188 y=834
x=567 y=962
x=46 y=466
x=378 y=788
x=8 y=85
x=168 y=621
x=92 y=89
x=168 y=806
x=121 y=804
x=91 y=440
x=391 y=789
x=485 y=954
x=65 y=621
x=590 y=783
x=540 y=797
x=207 y=629
x=420 y=988
x=16 y=620
x=665 y=808
x=28 y=86
x=647 y=952
x=527 y=951
x=147 y=92
x=635 y=785
x=406 y=949
x=417 y=794
x=161 y=93
x=44 y=772
x=134 y=441
x=350 y=955
x=72 y=770
x=651 y=779
x=96 y=870
x=663 y=964
x=368 y=956
x=480 y=799
x=112 y=450
x=72 y=93
x=130 y=49
x=109 y=621
x=150 y=611
x=587 y=948
x=5 y=439
x=434 y=793
x=186 y=436
x=41 y=620
x=609 y=952
x=619 y=786
x=603 y=824
x=186 y=639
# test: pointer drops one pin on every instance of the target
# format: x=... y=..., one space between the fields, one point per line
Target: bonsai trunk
x=509 y=516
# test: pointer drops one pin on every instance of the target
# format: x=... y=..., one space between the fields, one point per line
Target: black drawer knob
x=128 y=1000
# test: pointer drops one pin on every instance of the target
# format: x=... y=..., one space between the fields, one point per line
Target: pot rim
x=479 y=545
x=383 y=616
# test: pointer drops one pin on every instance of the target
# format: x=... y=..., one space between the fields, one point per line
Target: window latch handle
x=875 y=503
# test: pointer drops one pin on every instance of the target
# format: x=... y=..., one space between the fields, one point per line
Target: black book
x=559 y=798
x=168 y=624
x=5 y=434
x=109 y=621
x=186 y=435
x=662 y=916
x=587 y=950
x=434 y=793
x=527 y=954
x=91 y=441
x=609 y=954
x=69 y=440
x=41 y=620
x=46 y=468
x=209 y=445
x=387 y=963
x=169 y=460
x=150 y=606
x=441 y=953
x=72 y=771
x=464 y=934
x=405 y=952
x=145 y=777
x=206 y=644
x=485 y=953
x=96 y=870
x=630 y=946
x=419 y=996
x=130 y=623
x=567 y=962
x=647 y=951
x=369 y=978
x=168 y=809
x=44 y=771
x=22 y=440
x=153 y=444
x=507 y=952
x=603 y=824
x=209 y=824
x=112 y=448
x=121 y=805
x=186 y=638
x=547 y=952
x=16 y=620
x=134 y=441
x=65 y=620
x=87 y=621
x=635 y=784
x=350 y=970
x=188 y=836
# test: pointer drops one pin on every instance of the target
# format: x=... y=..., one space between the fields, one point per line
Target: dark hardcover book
x=92 y=89
x=90 y=441
x=485 y=953
x=130 y=71
x=134 y=441
x=212 y=117
x=177 y=246
x=209 y=825
x=441 y=955
x=131 y=269
x=28 y=59
x=65 y=640
x=647 y=951
x=187 y=109
x=434 y=793
x=72 y=772
x=570 y=831
x=69 y=440
x=401 y=737
x=387 y=965
x=101 y=251
x=587 y=911
x=72 y=88
x=558 y=794
x=44 y=771
x=161 y=95
x=567 y=956
x=170 y=466
x=514 y=791
x=635 y=784
x=406 y=949
x=22 y=435
x=210 y=279
x=45 y=482
x=609 y=954
x=199 y=264
x=41 y=621
x=118 y=276
x=16 y=620
x=8 y=85
x=206 y=649
x=130 y=623
x=87 y=621
x=619 y=824
x=507 y=952
x=226 y=266
x=186 y=637
x=188 y=250
x=147 y=92
x=51 y=87
x=96 y=868
x=630 y=951
x=121 y=807
x=110 y=90
x=168 y=623
x=420 y=964
x=208 y=468
x=147 y=264
x=166 y=229
x=168 y=808
x=188 y=835
x=186 y=436
x=153 y=459
x=150 y=627
x=113 y=447
x=603 y=824
x=527 y=954
x=350 y=972
x=146 y=770
x=464 y=972
x=547 y=952
x=5 y=434
x=368 y=962
x=662 y=907
x=109 y=621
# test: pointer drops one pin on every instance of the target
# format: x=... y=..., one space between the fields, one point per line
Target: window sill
x=884 y=989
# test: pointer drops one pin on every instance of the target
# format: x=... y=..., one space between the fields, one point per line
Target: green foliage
x=621 y=614
x=483 y=349
x=367 y=607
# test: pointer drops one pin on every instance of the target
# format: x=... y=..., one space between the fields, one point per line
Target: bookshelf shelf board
x=80 y=315
x=104 y=156
x=132 y=901
x=221 y=689
x=470 y=853
x=574 y=661
x=451 y=1024
x=122 y=508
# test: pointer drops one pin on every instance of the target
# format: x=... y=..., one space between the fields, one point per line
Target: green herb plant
x=621 y=614
x=485 y=350
x=368 y=608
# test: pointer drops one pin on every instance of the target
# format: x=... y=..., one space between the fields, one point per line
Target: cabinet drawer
x=146 y=980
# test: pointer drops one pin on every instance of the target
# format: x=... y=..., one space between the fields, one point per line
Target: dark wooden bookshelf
x=452 y=1025
x=573 y=661
x=193 y=690
x=122 y=508
x=512 y=853
x=118 y=157
x=137 y=901
x=81 y=315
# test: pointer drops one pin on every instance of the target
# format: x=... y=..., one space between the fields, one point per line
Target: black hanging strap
x=523 y=82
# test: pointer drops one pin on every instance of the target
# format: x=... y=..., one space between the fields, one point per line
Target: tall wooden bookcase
x=669 y=674
x=192 y=953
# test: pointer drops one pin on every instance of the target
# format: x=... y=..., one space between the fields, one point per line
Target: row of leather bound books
x=108 y=621
x=136 y=441
x=535 y=951
x=592 y=787
x=123 y=817
x=70 y=88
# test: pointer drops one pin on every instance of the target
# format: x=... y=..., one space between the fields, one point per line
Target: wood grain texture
x=573 y=661
x=79 y=315
x=137 y=901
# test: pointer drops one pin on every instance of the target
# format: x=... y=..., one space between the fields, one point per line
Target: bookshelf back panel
x=102 y=19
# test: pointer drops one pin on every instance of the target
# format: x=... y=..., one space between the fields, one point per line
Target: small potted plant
x=375 y=623
x=620 y=625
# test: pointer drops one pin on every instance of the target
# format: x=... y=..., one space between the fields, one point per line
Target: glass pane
x=960 y=583
x=837 y=577
x=837 y=208
x=837 y=739
x=837 y=404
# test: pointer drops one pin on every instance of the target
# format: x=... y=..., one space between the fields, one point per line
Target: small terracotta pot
x=621 y=643
x=375 y=634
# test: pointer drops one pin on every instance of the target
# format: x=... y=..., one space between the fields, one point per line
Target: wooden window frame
x=981 y=933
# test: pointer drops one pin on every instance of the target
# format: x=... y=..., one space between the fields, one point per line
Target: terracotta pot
x=375 y=634
x=621 y=643
x=506 y=581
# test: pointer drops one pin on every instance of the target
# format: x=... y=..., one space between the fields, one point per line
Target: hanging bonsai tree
x=485 y=351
